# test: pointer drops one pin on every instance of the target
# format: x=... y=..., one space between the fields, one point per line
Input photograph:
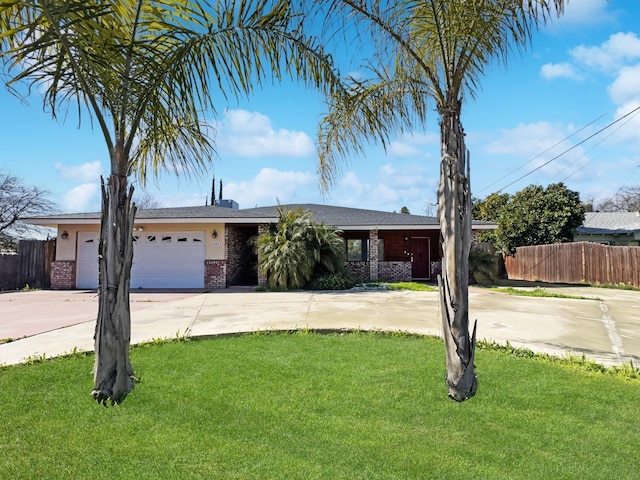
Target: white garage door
x=160 y=260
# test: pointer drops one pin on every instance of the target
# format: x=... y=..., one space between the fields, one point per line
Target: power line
x=540 y=154
x=571 y=148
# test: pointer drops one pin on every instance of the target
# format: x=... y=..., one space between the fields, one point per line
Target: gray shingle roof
x=609 y=222
x=345 y=216
x=335 y=216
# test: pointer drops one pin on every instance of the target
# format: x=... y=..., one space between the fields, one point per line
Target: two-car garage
x=160 y=260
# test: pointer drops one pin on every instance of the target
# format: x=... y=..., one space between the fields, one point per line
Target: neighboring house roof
x=609 y=223
x=341 y=217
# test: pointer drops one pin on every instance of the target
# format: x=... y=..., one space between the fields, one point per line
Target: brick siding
x=215 y=274
x=360 y=269
x=63 y=275
x=394 y=271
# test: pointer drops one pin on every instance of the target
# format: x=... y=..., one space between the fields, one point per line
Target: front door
x=420 y=257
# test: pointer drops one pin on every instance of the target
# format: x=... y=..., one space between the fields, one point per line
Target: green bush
x=482 y=267
x=341 y=280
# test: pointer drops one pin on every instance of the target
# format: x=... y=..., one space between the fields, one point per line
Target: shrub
x=482 y=267
x=340 y=280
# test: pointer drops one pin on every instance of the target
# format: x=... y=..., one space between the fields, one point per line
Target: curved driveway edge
x=607 y=331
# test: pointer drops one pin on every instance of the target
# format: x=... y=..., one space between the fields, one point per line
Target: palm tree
x=145 y=72
x=429 y=51
x=291 y=251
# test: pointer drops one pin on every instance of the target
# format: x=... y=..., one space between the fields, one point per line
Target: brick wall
x=373 y=255
x=239 y=252
x=215 y=274
x=361 y=269
x=63 y=275
x=394 y=271
x=436 y=269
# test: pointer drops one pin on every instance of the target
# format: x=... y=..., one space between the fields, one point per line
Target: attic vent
x=227 y=204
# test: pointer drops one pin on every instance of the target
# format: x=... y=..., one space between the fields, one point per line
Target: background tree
x=405 y=210
x=296 y=248
x=539 y=216
x=428 y=51
x=489 y=210
x=18 y=200
x=146 y=201
x=145 y=72
x=625 y=200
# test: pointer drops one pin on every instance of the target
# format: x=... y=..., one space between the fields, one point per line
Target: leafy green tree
x=429 y=51
x=295 y=248
x=145 y=72
x=405 y=210
x=539 y=216
x=489 y=210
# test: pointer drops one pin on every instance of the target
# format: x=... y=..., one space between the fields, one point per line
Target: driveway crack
x=612 y=332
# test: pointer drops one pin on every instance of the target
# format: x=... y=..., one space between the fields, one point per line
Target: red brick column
x=215 y=274
x=63 y=275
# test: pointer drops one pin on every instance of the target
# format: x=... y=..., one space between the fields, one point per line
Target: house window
x=357 y=249
x=381 y=249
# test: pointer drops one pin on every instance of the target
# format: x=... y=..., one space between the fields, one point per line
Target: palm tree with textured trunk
x=146 y=73
x=429 y=53
x=295 y=248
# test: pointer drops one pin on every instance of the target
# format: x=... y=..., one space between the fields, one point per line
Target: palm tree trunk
x=113 y=374
x=454 y=214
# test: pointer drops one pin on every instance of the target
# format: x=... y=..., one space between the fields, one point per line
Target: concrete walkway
x=606 y=330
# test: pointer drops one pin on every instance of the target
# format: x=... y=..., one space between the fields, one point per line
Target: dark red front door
x=420 y=257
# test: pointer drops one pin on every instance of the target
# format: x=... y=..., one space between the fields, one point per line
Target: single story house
x=210 y=247
x=610 y=228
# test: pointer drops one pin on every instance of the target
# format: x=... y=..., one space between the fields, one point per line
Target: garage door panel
x=160 y=260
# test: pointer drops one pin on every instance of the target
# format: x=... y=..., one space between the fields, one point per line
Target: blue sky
x=581 y=71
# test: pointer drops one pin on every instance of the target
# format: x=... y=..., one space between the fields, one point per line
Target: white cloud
x=251 y=134
x=392 y=188
x=83 y=198
x=619 y=50
x=271 y=186
x=413 y=145
x=403 y=150
x=626 y=86
x=351 y=182
x=579 y=13
x=629 y=131
x=535 y=146
x=551 y=71
x=87 y=172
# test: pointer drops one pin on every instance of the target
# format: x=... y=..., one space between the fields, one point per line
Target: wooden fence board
x=581 y=262
x=8 y=272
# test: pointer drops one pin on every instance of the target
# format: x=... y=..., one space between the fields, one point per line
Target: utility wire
x=540 y=154
x=571 y=148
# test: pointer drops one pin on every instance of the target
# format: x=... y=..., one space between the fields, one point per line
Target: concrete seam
x=610 y=327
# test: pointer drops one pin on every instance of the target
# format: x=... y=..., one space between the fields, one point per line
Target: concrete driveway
x=605 y=329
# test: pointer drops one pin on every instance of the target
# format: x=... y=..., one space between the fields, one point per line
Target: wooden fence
x=581 y=262
x=31 y=266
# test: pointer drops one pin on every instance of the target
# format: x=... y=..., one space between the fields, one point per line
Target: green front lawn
x=305 y=406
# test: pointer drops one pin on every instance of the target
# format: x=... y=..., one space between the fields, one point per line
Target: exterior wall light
x=64 y=235
x=214 y=234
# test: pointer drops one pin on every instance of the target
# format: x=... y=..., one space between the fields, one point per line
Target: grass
x=538 y=292
x=412 y=286
x=352 y=406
